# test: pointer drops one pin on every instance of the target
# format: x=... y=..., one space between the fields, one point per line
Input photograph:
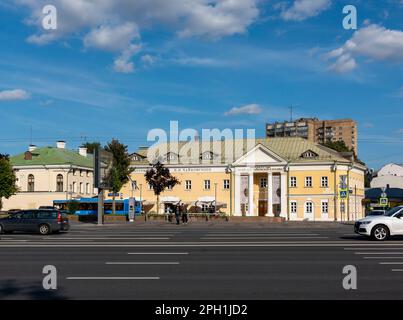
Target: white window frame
x=207 y=184
x=293 y=182
x=310 y=179
x=293 y=205
x=324 y=182
x=188 y=184
x=226 y=184
x=311 y=207
x=263 y=183
x=323 y=202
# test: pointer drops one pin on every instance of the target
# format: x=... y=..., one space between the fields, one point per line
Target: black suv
x=42 y=221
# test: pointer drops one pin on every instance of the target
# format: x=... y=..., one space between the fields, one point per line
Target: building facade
x=319 y=131
x=287 y=177
x=389 y=176
x=50 y=173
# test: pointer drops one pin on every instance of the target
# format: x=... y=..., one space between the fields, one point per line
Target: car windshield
x=391 y=212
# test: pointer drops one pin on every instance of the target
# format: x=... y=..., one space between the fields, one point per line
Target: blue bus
x=89 y=206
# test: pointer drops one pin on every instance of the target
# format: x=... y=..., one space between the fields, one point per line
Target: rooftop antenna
x=291 y=112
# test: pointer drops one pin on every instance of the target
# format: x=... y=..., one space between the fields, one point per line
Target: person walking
x=184 y=215
x=178 y=215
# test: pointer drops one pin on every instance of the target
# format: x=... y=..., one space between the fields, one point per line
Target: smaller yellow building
x=287 y=177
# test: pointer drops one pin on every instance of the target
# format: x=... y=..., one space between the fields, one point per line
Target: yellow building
x=289 y=177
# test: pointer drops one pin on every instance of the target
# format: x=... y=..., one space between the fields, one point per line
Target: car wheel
x=44 y=229
x=380 y=233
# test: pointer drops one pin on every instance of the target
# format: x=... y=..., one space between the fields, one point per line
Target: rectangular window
x=309 y=207
x=293 y=206
x=87 y=188
x=308 y=182
x=226 y=184
x=188 y=185
x=324 y=182
x=293 y=182
x=206 y=184
x=150 y=187
x=170 y=188
x=263 y=183
x=325 y=207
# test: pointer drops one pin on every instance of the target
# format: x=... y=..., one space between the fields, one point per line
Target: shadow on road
x=12 y=290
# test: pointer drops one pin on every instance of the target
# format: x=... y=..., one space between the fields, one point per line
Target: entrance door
x=262 y=208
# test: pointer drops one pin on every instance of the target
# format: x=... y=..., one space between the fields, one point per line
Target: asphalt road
x=201 y=261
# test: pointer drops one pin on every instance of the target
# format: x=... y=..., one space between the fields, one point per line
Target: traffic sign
x=384 y=202
x=344 y=193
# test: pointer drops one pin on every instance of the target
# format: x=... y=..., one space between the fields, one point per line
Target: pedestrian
x=178 y=215
x=184 y=215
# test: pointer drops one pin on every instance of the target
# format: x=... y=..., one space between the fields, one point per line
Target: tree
x=119 y=174
x=7 y=179
x=159 y=178
x=91 y=146
x=339 y=146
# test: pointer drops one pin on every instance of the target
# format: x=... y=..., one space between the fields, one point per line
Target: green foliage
x=7 y=179
x=91 y=146
x=72 y=206
x=339 y=146
x=119 y=175
x=159 y=178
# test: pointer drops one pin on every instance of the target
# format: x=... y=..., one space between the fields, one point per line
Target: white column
x=237 y=194
x=251 y=189
x=283 y=195
x=270 y=194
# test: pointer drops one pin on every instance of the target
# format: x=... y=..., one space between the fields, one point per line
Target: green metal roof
x=53 y=156
x=289 y=149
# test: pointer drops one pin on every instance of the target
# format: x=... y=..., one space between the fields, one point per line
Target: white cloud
x=148 y=60
x=247 y=109
x=16 y=94
x=304 y=9
x=188 y=18
x=112 y=38
x=122 y=63
x=374 y=42
x=112 y=25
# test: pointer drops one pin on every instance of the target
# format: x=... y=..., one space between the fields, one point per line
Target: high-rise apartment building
x=315 y=130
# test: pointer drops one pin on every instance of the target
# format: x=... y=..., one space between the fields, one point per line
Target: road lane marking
x=381 y=253
x=257 y=238
x=112 y=278
x=383 y=257
x=379 y=248
x=387 y=263
x=141 y=263
x=260 y=233
x=157 y=253
x=108 y=238
x=397 y=270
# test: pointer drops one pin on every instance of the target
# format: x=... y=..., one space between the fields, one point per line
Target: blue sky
x=120 y=68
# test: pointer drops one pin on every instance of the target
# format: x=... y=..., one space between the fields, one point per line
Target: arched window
x=31 y=183
x=59 y=183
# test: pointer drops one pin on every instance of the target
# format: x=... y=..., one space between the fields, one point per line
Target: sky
x=119 y=68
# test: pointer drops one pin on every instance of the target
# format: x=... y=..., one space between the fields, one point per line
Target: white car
x=380 y=228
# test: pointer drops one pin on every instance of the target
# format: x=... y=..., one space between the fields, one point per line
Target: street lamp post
x=228 y=170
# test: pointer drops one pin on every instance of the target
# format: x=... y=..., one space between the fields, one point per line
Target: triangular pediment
x=260 y=155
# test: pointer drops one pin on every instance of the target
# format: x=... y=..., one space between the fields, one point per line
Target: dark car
x=42 y=221
x=376 y=213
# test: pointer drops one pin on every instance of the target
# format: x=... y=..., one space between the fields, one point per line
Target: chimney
x=27 y=155
x=61 y=144
x=82 y=151
x=32 y=147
